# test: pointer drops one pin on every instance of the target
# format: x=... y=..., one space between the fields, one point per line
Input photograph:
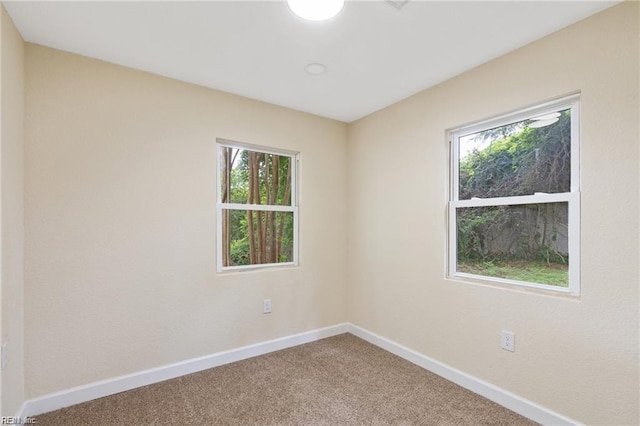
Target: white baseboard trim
x=91 y=391
x=115 y=385
x=22 y=413
x=520 y=405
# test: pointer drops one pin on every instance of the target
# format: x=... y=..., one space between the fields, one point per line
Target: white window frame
x=572 y=198
x=220 y=206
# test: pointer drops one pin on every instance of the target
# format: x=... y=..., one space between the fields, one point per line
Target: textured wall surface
x=120 y=213
x=11 y=194
x=576 y=356
x=120 y=225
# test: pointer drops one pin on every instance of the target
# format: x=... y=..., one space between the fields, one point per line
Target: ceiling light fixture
x=315 y=69
x=398 y=3
x=316 y=10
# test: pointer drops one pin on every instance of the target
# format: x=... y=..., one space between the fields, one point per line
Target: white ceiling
x=376 y=53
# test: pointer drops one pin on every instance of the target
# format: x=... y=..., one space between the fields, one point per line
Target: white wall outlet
x=508 y=341
x=4 y=354
x=266 y=306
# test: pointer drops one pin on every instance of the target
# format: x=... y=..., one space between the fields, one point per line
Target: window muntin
x=257 y=207
x=514 y=204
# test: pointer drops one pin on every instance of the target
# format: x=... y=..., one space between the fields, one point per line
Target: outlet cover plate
x=508 y=341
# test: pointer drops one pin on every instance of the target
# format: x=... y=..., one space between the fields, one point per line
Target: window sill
x=257 y=268
x=502 y=283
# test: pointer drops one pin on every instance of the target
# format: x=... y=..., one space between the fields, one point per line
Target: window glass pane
x=256 y=237
x=517 y=159
x=251 y=177
x=523 y=242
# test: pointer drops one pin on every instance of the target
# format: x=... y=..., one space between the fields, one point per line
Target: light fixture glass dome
x=316 y=10
x=315 y=68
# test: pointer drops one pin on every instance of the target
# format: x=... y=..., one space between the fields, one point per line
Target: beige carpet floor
x=341 y=380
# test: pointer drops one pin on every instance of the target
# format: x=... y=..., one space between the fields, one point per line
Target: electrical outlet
x=4 y=354
x=266 y=306
x=508 y=341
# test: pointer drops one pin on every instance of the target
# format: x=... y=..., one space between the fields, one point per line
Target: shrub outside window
x=257 y=213
x=514 y=207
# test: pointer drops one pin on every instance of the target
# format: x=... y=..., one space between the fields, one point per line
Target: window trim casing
x=572 y=198
x=220 y=206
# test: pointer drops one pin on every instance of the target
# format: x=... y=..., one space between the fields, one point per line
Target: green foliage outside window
x=251 y=237
x=503 y=241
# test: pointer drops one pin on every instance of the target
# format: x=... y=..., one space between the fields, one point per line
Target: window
x=257 y=210
x=514 y=207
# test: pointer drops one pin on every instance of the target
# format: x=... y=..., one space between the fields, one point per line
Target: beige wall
x=577 y=356
x=12 y=223
x=120 y=214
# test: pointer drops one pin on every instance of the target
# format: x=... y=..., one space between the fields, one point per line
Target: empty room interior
x=452 y=186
